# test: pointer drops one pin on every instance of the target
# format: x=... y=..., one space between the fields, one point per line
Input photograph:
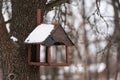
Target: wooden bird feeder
x=47 y=35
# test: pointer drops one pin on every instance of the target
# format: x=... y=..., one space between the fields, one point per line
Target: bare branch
x=52 y=4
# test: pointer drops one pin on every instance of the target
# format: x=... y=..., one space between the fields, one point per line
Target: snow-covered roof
x=40 y=33
x=48 y=35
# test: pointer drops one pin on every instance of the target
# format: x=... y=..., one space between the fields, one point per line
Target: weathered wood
x=58 y=37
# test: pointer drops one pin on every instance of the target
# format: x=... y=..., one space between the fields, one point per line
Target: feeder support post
x=38 y=16
x=38 y=46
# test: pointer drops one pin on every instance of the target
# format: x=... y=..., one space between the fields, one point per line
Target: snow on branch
x=52 y=4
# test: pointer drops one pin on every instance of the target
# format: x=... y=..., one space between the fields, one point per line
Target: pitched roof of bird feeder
x=48 y=35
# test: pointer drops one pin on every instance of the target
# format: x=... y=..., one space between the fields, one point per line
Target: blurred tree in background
x=93 y=26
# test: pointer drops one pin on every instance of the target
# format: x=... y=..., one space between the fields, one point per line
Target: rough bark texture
x=24 y=21
x=6 y=53
x=14 y=55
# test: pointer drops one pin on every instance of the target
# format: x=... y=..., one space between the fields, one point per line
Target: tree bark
x=7 y=48
x=14 y=54
x=116 y=34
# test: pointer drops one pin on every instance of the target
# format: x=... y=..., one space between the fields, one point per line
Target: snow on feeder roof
x=40 y=33
x=48 y=35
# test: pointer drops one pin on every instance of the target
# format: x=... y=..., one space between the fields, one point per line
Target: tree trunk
x=85 y=56
x=116 y=35
x=14 y=54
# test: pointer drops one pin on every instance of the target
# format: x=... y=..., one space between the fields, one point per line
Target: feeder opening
x=33 y=53
x=58 y=54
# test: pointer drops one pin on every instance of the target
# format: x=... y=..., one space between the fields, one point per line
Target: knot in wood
x=11 y=76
